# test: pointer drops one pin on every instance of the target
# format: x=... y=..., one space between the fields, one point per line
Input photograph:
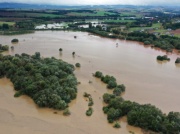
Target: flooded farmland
x=146 y=80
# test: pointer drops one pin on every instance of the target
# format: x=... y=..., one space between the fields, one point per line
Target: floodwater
x=146 y=80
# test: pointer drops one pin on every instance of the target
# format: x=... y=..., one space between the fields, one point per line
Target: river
x=133 y=64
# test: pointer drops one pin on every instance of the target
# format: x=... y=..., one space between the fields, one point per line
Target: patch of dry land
x=146 y=80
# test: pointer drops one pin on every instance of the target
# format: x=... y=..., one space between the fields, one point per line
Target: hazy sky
x=98 y=2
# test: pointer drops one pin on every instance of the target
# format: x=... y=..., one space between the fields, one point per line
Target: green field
x=156 y=27
x=9 y=23
x=97 y=13
x=119 y=21
x=131 y=13
x=40 y=15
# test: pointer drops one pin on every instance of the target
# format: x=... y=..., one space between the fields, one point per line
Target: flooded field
x=146 y=79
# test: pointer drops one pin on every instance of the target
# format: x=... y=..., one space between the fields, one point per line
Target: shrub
x=78 y=65
x=117 y=125
x=98 y=74
x=66 y=112
x=4 y=48
x=111 y=84
x=73 y=53
x=89 y=111
x=147 y=43
x=161 y=58
x=60 y=49
x=14 y=40
x=177 y=60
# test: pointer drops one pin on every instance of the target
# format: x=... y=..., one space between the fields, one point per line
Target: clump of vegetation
x=119 y=89
x=177 y=60
x=117 y=125
x=12 y=47
x=48 y=81
x=4 y=48
x=162 y=58
x=87 y=95
x=78 y=65
x=131 y=132
x=14 y=40
x=73 y=53
x=90 y=103
x=147 y=42
x=60 y=49
x=89 y=111
x=66 y=112
x=111 y=83
x=98 y=74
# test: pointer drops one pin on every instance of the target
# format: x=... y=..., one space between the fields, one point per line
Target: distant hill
x=8 y=5
x=29 y=6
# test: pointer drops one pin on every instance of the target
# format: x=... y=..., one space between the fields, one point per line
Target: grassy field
x=97 y=13
x=9 y=23
x=119 y=21
x=156 y=27
x=40 y=15
x=131 y=13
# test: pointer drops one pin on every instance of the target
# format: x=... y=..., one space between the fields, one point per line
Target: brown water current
x=146 y=80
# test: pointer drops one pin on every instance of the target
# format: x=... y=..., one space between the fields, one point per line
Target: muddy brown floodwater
x=134 y=65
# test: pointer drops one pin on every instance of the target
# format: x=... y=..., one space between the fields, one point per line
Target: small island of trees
x=48 y=81
x=78 y=65
x=162 y=58
x=177 y=60
x=89 y=112
x=60 y=49
x=14 y=40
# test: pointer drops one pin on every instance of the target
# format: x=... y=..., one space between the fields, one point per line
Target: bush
x=98 y=74
x=111 y=84
x=161 y=58
x=177 y=60
x=78 y=65
x=86 y=95
x=14 y=40
x=147 y=43
x=4 y=48
x=60 y=49
x=66 y=112
x=91 y=103
x=117 y=125
x=107 y=79
x=89 y=111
